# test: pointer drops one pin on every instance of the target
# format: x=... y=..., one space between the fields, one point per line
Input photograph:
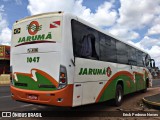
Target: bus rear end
x=37 y=75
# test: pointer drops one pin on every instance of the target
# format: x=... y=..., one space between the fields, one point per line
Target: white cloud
x=153 y=51
x=152 y=46
x=138 y=45
x=2 y=8
x=41 y=6
x=148 y=42
x=3 y=23
x=155 y=54
x=5 y=36
x=132 y=16
x=137 y=14
x=105 y=15
x=5 y=32
x=157 y=19
x=123 y=33
x=154 y=30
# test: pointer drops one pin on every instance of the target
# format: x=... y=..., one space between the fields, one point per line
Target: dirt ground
x=135 y=104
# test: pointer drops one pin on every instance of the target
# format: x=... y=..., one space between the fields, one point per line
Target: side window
x=122 y=55
x=77 y=37
x=86 y=48
x=107 y=48
x=132 y=58
x=143 y=58
x=85 y=41
x=139 y=58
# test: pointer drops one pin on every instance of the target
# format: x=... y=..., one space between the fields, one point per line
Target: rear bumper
x=45 y=97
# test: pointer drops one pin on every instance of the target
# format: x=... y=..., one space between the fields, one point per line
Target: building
x=156 y=73
x=4 y=59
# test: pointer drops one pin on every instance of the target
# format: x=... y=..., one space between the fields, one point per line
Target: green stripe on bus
x=33 y=85
x=109 y=92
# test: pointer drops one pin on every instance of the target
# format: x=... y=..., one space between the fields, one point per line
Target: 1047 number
x=33 y=59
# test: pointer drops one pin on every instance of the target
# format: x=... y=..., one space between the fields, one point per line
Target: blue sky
x=134 y=21
x=14 y=10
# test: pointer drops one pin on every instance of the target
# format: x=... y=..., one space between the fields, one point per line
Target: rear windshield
x=45 y=29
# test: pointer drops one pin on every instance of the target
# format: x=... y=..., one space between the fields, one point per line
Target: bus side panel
x=140 y=78
x=134 y=87
x=129 y=84
x=124 y=77
x=77 y=94
x=99 y=87
x=91 y=91
x=93 y=76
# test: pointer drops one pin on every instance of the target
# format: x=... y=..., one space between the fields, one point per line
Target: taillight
x=62 y=77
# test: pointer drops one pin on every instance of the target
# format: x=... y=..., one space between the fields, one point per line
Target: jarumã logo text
x=36 y=37
x=92 y=71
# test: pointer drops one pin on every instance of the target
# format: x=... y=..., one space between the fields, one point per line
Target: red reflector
x=63 y=80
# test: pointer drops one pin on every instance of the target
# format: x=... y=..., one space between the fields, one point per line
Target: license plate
x=33 y=97
x=32 y=50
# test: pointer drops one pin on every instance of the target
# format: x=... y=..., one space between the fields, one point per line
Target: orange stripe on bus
x=141 y=74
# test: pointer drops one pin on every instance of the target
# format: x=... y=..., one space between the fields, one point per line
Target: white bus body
x=46 y=69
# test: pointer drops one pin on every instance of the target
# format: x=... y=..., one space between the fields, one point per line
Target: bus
x=61 y=60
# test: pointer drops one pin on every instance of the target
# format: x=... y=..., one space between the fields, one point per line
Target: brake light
x=62 y=77
x=63 y=80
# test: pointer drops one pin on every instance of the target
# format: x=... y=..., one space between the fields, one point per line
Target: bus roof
x=59 y=13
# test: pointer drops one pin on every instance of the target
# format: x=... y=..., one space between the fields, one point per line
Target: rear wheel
x=118 y=95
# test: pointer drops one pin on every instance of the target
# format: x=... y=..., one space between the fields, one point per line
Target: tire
x=118 y=95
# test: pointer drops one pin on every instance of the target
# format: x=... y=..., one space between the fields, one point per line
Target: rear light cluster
x=62 y=77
